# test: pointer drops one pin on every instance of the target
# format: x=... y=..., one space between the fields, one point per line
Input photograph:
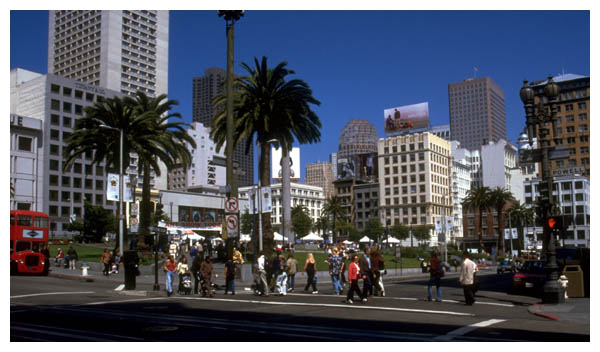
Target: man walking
x=72 y=257
x=367 y=273
x=467 y=270
x=292 y=269
x=263 y=275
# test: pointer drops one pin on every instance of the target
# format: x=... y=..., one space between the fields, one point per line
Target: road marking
x=467 y=329
x=123 y=301
x=51 y=293
x=329 y=305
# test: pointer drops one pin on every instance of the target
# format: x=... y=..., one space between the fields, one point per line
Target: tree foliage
x=422 y=233
x=301 y=221
x=247 y=223
x=97 y=222
x=400 y=232
x=374 y=230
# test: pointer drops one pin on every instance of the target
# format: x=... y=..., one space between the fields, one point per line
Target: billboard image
x=276 y=163
x=367 y=165
x=346 y=168
x=406 y=118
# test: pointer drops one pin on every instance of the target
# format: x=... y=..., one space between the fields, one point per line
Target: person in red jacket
x=353 y=276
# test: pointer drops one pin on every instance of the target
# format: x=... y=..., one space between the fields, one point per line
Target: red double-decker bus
x=28 y=235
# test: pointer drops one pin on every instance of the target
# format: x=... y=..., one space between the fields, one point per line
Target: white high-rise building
x=121 y=50
x=461 y=183
x=500 y=169
x=203 y=170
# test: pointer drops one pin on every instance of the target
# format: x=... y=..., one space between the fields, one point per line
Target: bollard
x=84 y=269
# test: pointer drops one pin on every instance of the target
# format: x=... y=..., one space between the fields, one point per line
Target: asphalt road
x=54 y=309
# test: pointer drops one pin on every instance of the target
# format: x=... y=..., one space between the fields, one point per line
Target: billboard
x=359 y=166
x=406 y=118
x=346 y=168
x=276 y=164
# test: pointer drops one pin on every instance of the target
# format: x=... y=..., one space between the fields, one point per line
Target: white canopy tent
x=365 y=240
x=312 y=237
x=391 y=239
x=348 y=242
x=277 y=237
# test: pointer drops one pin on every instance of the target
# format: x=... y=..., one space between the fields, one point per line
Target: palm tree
x=169 y=143
x=478 y=200
x=334 y=208
x=270 y=108
x=144 y=133
x=322 y=224
x=498 y=198
x=520 y=216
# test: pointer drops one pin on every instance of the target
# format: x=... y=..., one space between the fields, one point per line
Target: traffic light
x=555 y=223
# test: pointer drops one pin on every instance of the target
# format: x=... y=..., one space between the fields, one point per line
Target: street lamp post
x=230 y=17
x=541 y=115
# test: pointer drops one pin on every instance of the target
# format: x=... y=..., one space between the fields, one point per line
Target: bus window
x=12 y=246
x=23 y=246
x=24 y=220
x=12 y=219
x=40 y=222
x=35 y=246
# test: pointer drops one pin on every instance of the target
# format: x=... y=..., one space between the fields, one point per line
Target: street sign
x=530 y=156
x=231 y=222
x=559 y=152
x=133 y=221
x=231 y=205
x=134 y=209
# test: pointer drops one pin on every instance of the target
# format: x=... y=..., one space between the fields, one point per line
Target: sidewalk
x=575 y=310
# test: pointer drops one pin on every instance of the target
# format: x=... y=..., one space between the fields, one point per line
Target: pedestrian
x=200 y=250
x=169 y=268
x=208 y=271
x=238 y=258
x=345 y=256
x=194 y=251
x=275 y=271
x=366 y=270
x=263 y=274
x=60 y=257
x=46 y=253
x=117 y=262
x=467 y=271
x=195 y=269
x=292 y=268
x=281 y=280
x=311 y=269
x=230 y=275
x=353 y=276
x=436 y=272
x=105 y=259
x=378 y=264
x=72 y=257
x=182 y=269
x=335 y=263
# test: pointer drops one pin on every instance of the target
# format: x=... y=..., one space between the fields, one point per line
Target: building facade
x=414 y=179
x=125 y=51
x=203 y=170
x=477 y=112
x=58 y=103
x=461 y=184
x=442 y=131
x=573 y=120
x=26 y=163
x=312 y=197
x=572 y=196
x=205 y=89
x=499 y=166
x=320 y=174
x=357 y=137
x=366 y=204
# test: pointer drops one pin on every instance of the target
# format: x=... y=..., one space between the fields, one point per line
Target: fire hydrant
x=564 y=283
x=84 y=269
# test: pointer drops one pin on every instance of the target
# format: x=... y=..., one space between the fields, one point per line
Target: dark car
x=530 y=278
x=506 y=266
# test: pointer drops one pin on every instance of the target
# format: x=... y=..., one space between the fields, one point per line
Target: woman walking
x=169 y=268
x=436 y=272
x=353 y=276
x=292 y=268
x=311 y=268
x=105 y=259
x=182 y=268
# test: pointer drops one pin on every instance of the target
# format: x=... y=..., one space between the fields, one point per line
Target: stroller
x=185 y=284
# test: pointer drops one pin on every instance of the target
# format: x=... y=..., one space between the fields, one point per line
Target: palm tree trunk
x=285 y=195
x=480 y=230
x=265 y=180
x=145 y=208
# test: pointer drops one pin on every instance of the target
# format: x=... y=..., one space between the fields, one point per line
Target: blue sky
x=359 y=63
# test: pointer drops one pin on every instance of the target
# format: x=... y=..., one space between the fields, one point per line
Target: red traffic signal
x=555 y=223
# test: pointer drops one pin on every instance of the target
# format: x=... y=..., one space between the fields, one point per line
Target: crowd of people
x=276 y=274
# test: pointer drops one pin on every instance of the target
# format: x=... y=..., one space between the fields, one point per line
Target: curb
x=88 y=278
x=535 y=310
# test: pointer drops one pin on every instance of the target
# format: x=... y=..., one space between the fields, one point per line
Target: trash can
x=575 y=287
x=130 y=262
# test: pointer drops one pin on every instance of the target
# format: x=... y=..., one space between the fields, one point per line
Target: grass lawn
x=85 y=252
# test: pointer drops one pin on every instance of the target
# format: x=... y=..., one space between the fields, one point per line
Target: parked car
x=530 y=278
x=505 y=266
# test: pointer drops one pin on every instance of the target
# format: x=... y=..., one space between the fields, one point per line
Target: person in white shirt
x=263 y=275
x=466 y=279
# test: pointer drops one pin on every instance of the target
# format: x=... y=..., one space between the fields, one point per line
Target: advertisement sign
x=515 y=234
x=112 y=187
x=367 y=165
x=406 y=118
x=294 y=164
x=200 y=215
x=346 y=168
x=267 y=205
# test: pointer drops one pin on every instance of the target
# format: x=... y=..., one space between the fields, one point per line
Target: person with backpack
x=292 y=268
x=436 y=272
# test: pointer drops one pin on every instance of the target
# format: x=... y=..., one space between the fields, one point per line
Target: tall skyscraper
x=320 y=174
x=121 y=50
x=125 y=51
x=205 y=88
x=357 y=137
x=477 y=112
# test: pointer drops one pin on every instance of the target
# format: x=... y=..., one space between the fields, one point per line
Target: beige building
x=414 y=179
x=320 y=174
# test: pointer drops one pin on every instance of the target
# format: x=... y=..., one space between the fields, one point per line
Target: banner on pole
x=515 y=233
x=267 y=205
x=112 y=187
